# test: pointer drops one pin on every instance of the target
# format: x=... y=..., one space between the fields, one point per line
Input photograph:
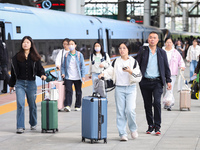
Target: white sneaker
x=134 y=135
x=33 y=127
x=123 y=138
x=77 y=109
x=20 y=131
x=67 y=109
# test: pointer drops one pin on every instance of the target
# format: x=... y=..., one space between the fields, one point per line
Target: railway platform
x=180 y=130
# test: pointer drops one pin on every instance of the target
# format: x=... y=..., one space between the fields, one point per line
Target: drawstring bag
x=50 y=76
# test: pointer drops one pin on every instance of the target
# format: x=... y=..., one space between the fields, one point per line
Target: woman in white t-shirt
x=99 y=60
x=125 y=73
x=73 y=72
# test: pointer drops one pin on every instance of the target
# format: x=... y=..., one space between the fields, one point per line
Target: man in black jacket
x=155 y=70
x=4 y=65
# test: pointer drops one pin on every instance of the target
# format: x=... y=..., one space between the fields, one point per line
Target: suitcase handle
x=102 y=119
x=43 y=89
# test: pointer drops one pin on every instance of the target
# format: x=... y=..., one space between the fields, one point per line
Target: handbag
x=195 y=90
x=109 y=84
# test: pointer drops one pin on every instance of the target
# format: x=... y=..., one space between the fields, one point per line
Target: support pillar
x=185 y=20
x=74 y=6
x=122 y=10
x=162 y=13
x=173 y=15
x=147 y=13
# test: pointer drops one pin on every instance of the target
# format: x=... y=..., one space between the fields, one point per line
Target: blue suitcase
x=94 y=118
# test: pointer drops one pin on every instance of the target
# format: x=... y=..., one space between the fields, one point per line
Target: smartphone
x=124 y=68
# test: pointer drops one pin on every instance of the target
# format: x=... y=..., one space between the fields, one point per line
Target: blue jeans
x=125 y=98
x=193 y=65
x=29 y=88
x=94 y=76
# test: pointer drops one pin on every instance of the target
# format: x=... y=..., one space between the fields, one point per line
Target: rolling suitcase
x=94 y=118
x=185 y=99
x=49 y=113
x=61 y=88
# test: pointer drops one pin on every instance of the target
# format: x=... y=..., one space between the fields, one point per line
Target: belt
x=153 y=79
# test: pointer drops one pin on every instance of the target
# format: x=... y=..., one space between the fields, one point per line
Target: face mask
x=97 y=49
x=71 y=47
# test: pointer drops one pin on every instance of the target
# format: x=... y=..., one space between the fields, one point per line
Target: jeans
x=151 y=93
x=94 y=76
x=193 y=65
x=69 y=92
x=125 y=97
x=29 y=88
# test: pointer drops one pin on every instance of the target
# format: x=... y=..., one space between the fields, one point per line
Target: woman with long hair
x=125 y=73
x=25 y=65
x=99 y=60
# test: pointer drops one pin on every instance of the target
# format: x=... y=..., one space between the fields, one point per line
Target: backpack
x=102 y=59
x=50 y=76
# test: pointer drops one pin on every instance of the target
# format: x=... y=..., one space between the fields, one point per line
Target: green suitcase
x=49 y=115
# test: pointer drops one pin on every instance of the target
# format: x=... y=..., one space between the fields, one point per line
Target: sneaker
x=150 y=129
x=67 y=109
x=20 y=131
x=77 y=109
x=33 y=127
x=3 y=91
x=169 y=109
x=134 y=135
x=157 y=131
x=123 y=138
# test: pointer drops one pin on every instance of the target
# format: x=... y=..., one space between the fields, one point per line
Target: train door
x=108 y=42
x=2 y=31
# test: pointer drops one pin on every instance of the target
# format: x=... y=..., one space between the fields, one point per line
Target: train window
x=18 y=29
x=87 y=32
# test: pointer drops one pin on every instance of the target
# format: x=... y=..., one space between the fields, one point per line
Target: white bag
x=182 y=82
x=168 y=99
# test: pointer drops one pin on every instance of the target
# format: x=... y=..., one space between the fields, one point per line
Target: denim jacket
x=79 y=62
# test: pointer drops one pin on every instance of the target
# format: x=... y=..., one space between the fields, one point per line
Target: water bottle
x=53 y=86
x=46 y=95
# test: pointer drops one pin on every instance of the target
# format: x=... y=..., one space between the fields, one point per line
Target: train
x=49 y=27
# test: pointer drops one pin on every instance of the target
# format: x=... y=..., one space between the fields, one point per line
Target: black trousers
x=151 y=92
x=69 y=92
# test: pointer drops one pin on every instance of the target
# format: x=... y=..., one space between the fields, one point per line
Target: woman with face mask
x=99 y=60
x=73 y=72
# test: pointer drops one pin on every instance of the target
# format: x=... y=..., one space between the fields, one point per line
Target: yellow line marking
x=13 y=105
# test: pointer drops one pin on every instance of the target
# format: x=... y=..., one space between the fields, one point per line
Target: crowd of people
x=155 y=70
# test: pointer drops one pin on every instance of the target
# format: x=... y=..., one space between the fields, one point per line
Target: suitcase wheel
x=83 y=139
x=105 y=140
x=92 y=141
x=43 y=131
x=189 y=109
x=57 y=130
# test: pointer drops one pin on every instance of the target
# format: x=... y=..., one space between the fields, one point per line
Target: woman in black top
x=25 y=65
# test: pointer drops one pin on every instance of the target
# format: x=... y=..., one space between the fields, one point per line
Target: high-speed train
x=48 y=28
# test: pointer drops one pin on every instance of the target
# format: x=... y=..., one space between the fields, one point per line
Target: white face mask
x=71 y=47
x=97 y=49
